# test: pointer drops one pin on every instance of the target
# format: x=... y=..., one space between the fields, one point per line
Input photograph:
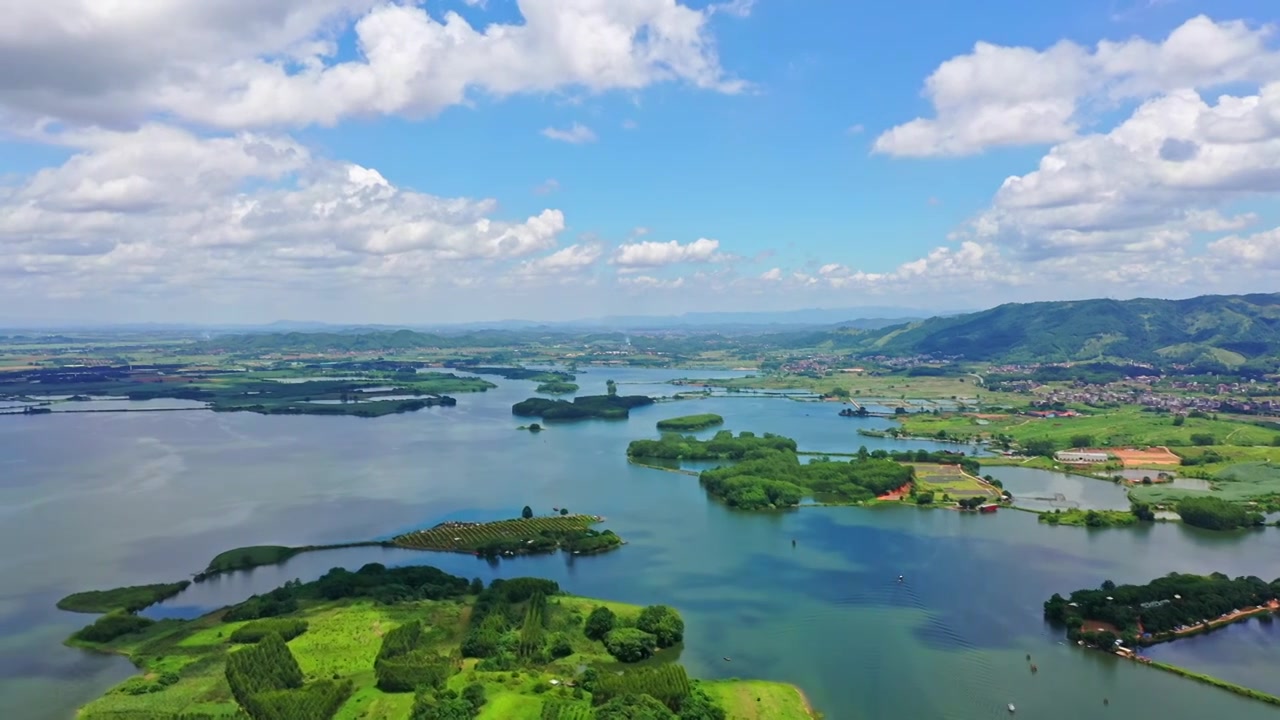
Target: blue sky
x=766 y=155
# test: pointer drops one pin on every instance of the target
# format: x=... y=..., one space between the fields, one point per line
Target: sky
x=459 y=160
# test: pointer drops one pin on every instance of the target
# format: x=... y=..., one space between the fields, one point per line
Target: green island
x=689 y=423
x=767 y=472
x=520 y=536
x=556 y=387
x=584 y=407
x=520 y=373
x=418 y=643
x=127 y=599
x=1091 y=518
x=1124 y=618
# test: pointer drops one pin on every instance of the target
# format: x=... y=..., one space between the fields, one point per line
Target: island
x=416 y=642
x=1122 y=619
x=126 y=599
x=689 y=423
x=556 y=387
x=585 y=407
x=766 y=472
x=520 y=536
x=526 y=535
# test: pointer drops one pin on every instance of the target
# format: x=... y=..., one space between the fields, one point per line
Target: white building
x=1080 y=457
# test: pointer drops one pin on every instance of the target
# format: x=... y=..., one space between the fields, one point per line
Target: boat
x=988 y=508
x=1011 y=708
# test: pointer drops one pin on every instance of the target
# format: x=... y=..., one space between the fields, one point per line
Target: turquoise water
x=105 y=499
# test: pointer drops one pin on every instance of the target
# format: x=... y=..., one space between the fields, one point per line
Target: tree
x=1039 y=447
x=1202 y=439
x=564 y=511
x=629 y=644
x=1081 y=441
x=634 y=707
x=535 y=427
x=527 y=512
x=925 y=498
x=599 y=623
x=1179 y=420
x=1108 y=585
x=663 y=623
x=611 y=388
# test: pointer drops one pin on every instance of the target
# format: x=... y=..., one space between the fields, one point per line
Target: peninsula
x=418 y=642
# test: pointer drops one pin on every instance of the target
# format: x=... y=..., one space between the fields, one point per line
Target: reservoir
x=98 y=500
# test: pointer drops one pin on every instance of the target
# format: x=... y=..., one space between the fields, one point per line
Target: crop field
x=949 y=479
x=1127 y=426
x=882 y=387
x=467 y=538
x=1244 y=482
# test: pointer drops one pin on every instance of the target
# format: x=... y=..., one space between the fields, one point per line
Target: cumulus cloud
x=1124 y=189
x=575 y=134
x=163 y=207
x=238 y=64
x=565 y=263
x=652 y=254
x=648 y=282
x=999 y=96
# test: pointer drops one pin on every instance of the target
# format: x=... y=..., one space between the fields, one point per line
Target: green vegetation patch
x=758 y=700
x=520 y=536
x=1090 y=518
x=689 y=423
x=1164 y=609
x=128 y=599
x=585 y=407
x=556 y=387
x=250 y=557
x=1244 y=483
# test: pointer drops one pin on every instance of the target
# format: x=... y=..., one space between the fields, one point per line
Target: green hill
x=1212 y=329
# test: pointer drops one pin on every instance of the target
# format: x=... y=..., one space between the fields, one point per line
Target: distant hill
x=1226 y=329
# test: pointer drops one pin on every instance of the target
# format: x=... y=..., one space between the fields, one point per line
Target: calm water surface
x=104 y=499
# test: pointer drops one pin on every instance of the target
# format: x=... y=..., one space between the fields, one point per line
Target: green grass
x=758 y=700
x=1218 y=683
x=469 y=538
x=1123 y=427
x=129 y=599
x=884 y=387
x=343 y=639
x=688 y=423
x=950 y=480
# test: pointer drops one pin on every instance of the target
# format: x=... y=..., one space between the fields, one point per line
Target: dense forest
x=1145 y=612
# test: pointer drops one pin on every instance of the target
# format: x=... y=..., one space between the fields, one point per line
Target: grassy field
x=343 y=639
x=949 y=480
x=1118 y=428
x=758 y=700
x=1244 y=482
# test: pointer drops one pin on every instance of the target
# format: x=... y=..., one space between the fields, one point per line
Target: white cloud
x=648 y=282
x=1149 y=184
x=998 y=96
x=238 y=64
x=564 y=263
x=162 y=208
x=547 y=187
x=576 y=134
x=651 y=254
x=771 y=275
x=1260 y=251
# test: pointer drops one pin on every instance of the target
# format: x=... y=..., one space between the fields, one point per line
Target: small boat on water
x=1012 y=708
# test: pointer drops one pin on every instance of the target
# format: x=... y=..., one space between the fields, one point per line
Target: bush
x=112 y=626
x=662 y=622
x=629 y=644
x=599 y=623
x=254 y=631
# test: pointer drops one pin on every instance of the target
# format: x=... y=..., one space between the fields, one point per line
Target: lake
x=98 y=500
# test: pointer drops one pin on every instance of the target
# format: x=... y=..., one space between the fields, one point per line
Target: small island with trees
x=610 y=406
x=526 y=535
x=556 y=387
x=415 y=642
x=690 y=423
